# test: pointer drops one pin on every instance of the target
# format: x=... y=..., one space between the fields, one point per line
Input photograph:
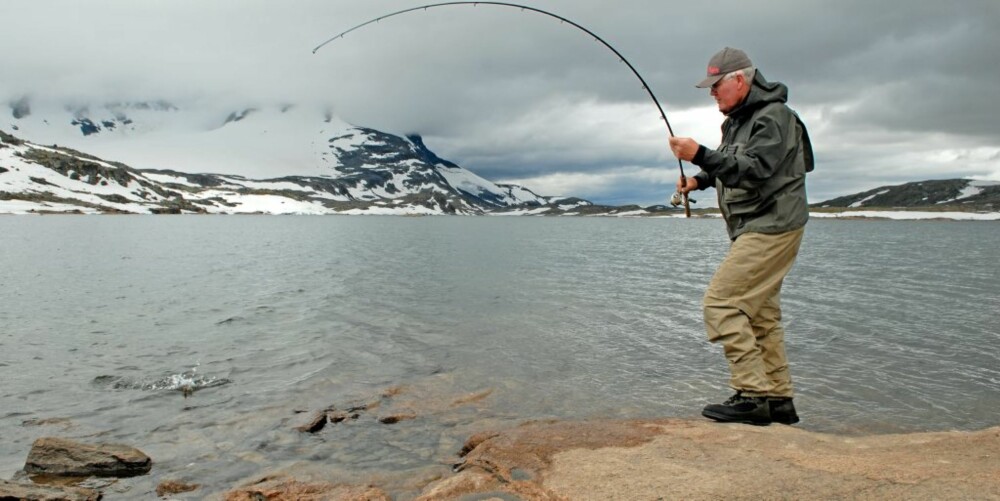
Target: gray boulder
x=62 y=457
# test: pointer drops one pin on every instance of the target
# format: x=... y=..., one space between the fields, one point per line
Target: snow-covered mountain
x=967 y=194
x=279 y=159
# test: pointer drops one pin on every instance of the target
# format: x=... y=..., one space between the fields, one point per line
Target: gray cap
x=725 y=61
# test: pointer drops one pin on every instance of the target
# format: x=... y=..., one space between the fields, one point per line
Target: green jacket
x=760 y=168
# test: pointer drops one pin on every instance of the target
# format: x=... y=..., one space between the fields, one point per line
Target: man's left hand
x=684 y=148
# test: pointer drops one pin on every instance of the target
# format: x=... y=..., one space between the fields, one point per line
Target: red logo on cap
x=713 y=70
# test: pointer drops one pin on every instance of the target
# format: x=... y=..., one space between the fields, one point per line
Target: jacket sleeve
x=753 y=162
x=703 y=178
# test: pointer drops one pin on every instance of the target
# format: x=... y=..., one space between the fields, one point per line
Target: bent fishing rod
x=663 y=115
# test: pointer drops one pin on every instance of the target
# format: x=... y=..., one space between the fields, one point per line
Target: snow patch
x=869 y=197
x=393 y=211
x=974 y=188
x=268 y=185
x=168 y=179
x=521 y=212
x=910 y=215
x=270 y=204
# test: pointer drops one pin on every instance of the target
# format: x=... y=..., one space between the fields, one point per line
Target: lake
x=458 y=324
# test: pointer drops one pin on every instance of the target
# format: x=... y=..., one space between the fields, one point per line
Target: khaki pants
x=743 y=311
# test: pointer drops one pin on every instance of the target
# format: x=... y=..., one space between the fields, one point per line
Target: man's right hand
x=684 y=148
x=686 y=184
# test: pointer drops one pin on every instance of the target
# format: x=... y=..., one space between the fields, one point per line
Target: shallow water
x=473 y=323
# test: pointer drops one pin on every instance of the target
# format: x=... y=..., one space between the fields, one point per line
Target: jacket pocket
x=742 y=201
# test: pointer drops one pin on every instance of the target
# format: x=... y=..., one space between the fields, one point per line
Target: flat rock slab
x=66 y=458
x=680 y=459
x=13 y=490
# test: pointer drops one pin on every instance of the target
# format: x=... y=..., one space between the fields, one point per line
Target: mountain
x=36 y=178
x=281 y=159
x=953 y=194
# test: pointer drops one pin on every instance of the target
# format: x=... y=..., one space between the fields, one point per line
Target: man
x=759 y=173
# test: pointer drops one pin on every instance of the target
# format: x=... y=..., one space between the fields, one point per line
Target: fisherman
x=759 y=173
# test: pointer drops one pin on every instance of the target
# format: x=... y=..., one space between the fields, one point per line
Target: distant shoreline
x=948 y=213
x=906 y=215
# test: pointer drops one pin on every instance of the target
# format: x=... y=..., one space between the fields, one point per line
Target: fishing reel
x=678 y=199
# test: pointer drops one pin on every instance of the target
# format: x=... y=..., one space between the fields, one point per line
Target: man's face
x=729 y=93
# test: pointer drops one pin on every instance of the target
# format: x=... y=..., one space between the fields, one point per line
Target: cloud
x=889 y=92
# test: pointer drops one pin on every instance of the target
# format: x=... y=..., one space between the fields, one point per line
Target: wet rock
x=169 y=487
x=339 y=417
x=62 y=457
x=395 y=418
x=282 y=488
x=13 y=490
x=320 y=419
x=363 y=407
x=315 y=424
x=475 y=440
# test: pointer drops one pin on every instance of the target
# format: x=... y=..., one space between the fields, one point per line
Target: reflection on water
x=459 y=324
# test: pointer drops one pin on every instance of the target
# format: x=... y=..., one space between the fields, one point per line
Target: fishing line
x=663 y=115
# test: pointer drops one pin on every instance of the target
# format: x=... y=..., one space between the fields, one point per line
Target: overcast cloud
x=891 y=91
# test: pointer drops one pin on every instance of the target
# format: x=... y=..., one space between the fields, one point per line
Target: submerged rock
x=283 y=488
x=319 y=419
x=62 y=457
x=472 y=397
x=168 y=487
x=13 y=490
x=63 y=422
x=330 y=415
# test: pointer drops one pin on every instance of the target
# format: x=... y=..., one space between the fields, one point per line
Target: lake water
x=468 y=323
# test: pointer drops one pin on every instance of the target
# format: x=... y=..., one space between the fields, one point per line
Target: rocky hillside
x=951 y=194
x=375 y=173
x=59 y=179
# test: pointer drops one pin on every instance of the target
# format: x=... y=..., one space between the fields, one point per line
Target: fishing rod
x=663 y=115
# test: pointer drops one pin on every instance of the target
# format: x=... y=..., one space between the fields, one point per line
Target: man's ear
x=743 y=78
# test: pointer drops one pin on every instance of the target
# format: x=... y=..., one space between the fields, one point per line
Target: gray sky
x=892 y=91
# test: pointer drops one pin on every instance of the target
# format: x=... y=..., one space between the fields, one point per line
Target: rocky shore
x=687 y=459
x=637 y=460
x=606 y=459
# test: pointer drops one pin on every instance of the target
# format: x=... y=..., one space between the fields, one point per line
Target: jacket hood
x=762 y=92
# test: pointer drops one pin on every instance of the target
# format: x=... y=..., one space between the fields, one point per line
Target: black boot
x=740 y=409
x=782 y=410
